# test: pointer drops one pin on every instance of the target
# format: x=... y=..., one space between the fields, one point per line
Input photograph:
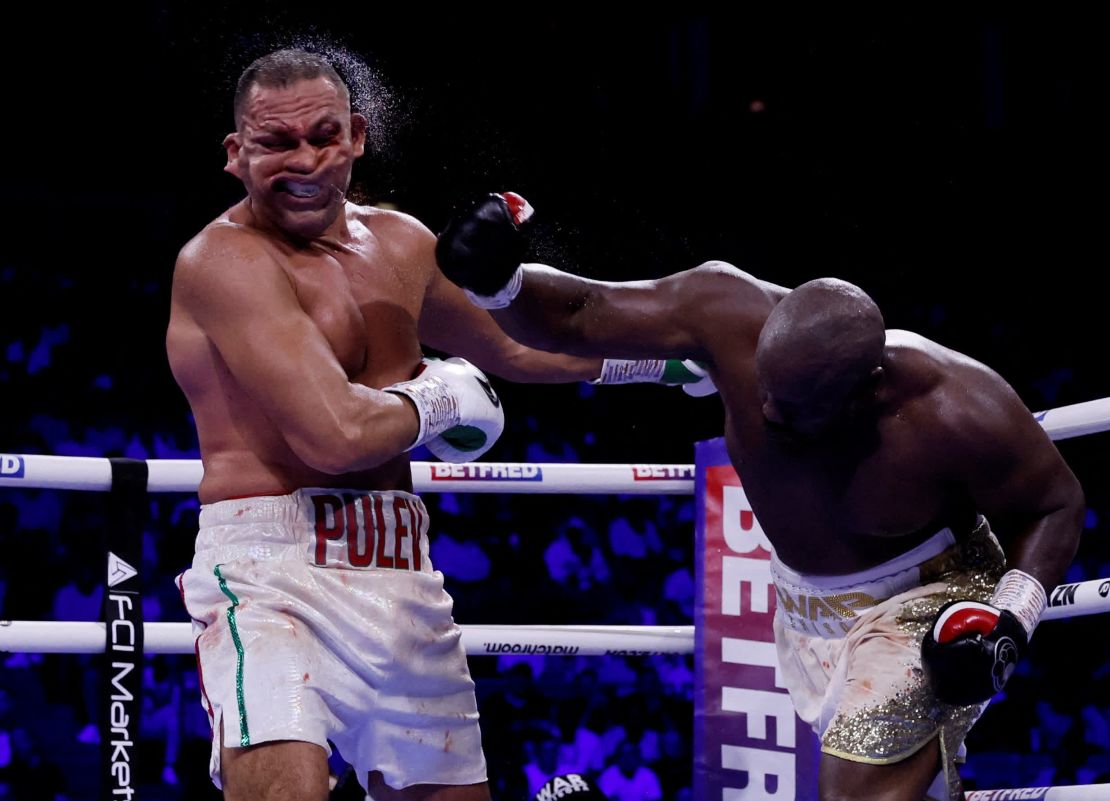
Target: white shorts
x=318 y=617
x=849 y=650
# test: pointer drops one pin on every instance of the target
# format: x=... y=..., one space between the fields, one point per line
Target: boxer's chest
x=836 y=510
x=365 y=306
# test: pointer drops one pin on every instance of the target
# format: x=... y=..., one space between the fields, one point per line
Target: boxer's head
x=295 y=141
x=819 y=357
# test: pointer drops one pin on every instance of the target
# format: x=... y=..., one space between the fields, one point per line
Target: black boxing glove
x=972 y=648
x=482 y=247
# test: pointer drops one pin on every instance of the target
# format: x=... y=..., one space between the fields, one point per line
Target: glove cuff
x=437 y=407
x=1022 y=596
x=631 y=371
x=506 y=295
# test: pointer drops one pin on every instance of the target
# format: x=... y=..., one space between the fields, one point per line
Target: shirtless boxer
x=872 y=459
x=295 y=333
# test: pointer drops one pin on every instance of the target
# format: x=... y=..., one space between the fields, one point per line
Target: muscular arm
x=449 y=322
x=673 y=317
x=234 y=290
x=682 y=316
x=1016 y=476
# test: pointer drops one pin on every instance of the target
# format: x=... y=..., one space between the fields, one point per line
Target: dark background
x=952 y=164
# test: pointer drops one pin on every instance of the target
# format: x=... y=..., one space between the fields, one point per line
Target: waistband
x=327 y=527
x=827 y=606
x=922 y=552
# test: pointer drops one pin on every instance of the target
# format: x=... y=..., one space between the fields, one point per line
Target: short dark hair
x=282 y=68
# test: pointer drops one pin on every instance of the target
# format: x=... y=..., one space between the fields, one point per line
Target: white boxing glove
x=460 y=414
x=691 y=375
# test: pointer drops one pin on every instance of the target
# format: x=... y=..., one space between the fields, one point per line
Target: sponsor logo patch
x=1064 y=595
x=662 y=472
x=11 y=466
x=441 y=471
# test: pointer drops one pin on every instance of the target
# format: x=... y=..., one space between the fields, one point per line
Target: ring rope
x=183 y=475
x=87 y=637
x=91 y=473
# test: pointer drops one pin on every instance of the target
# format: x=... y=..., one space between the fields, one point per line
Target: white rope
x=1091 y=792
x=1076 y=420
x=81 y=637
x=1067 y=600
x=607 y=479
x=183 y=475
x=1073 y=600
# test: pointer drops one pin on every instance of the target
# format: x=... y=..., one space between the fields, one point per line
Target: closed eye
x=276 y=144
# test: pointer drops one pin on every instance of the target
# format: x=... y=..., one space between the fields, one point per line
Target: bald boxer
x=873 y=460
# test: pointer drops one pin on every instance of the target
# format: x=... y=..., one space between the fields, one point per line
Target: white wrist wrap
x=504 y=296
x=437 y=407
x=1023 y=596
x=626 y=371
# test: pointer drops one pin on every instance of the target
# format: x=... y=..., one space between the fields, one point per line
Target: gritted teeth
x=298 y=188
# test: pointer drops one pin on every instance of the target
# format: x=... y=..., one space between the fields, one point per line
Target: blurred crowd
x=507 y=559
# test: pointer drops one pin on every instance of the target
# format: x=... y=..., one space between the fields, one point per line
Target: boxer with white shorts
x=849 y=649
x=318 y=615
x=856 y=445
x=296 y=326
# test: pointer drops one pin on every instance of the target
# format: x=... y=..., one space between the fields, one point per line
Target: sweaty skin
x=941 y=438
x=289 y=314
x=936 y=438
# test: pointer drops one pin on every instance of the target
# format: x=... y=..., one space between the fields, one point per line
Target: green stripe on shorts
x=244 y=732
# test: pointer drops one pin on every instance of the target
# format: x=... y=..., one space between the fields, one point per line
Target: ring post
x=123 y=623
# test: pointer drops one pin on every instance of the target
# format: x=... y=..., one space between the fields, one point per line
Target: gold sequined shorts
x=865 y=692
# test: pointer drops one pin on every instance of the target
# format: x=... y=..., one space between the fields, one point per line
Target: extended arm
x=451 y=323
x=556 y=311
